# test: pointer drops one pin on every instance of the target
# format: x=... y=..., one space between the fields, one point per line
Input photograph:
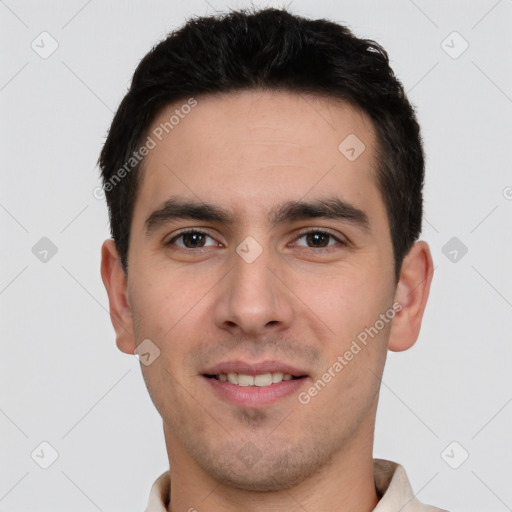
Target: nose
x=254 y=298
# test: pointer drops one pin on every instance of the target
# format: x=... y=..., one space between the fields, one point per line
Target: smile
x=261 y=380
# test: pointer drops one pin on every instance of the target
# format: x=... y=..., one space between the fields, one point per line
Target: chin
x=249 y=470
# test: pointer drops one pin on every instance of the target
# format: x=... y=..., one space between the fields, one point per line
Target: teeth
x=245 y=380
x=262 y=380
x=277 y=377
x=265 y=379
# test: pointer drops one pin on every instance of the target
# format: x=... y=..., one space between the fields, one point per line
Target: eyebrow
x=177 y=208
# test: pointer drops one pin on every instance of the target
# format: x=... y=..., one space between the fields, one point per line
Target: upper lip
x=254 y=368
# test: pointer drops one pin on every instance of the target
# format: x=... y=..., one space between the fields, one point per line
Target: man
x=264 y=180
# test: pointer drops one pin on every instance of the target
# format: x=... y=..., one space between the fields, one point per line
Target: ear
x=411 y=293
x=115 y=283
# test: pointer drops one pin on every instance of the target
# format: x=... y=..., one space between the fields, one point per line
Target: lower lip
x=255 y=396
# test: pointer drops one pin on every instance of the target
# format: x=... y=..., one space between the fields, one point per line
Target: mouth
x=254 y=385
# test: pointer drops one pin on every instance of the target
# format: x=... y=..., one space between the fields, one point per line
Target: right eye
x=191 y=239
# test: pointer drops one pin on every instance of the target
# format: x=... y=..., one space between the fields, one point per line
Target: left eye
x=318 y=239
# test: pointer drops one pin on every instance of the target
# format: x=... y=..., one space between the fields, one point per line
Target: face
x=261 y=283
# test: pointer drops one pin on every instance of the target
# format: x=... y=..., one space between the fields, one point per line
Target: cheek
x=348 y=302
x=166 y=310
x=156 y=316
x=159 y=300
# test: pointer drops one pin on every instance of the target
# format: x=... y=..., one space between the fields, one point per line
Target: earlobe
x=411 y=293
x=115 y=282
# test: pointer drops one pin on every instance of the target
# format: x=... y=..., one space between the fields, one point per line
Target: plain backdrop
x=445 y=409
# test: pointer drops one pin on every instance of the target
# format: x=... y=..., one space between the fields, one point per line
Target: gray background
x=62 y=378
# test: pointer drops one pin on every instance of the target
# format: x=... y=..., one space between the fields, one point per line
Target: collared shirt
x=393 y=489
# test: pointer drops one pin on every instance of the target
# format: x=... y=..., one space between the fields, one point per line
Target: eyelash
x=301 y=235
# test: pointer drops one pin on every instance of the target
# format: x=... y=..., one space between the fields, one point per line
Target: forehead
x=289 y=124
x=240 y=147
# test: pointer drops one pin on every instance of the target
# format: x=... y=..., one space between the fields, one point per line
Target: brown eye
x=191 y=240
x=318 y=239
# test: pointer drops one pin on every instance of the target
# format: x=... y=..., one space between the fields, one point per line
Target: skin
x=300 y=301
